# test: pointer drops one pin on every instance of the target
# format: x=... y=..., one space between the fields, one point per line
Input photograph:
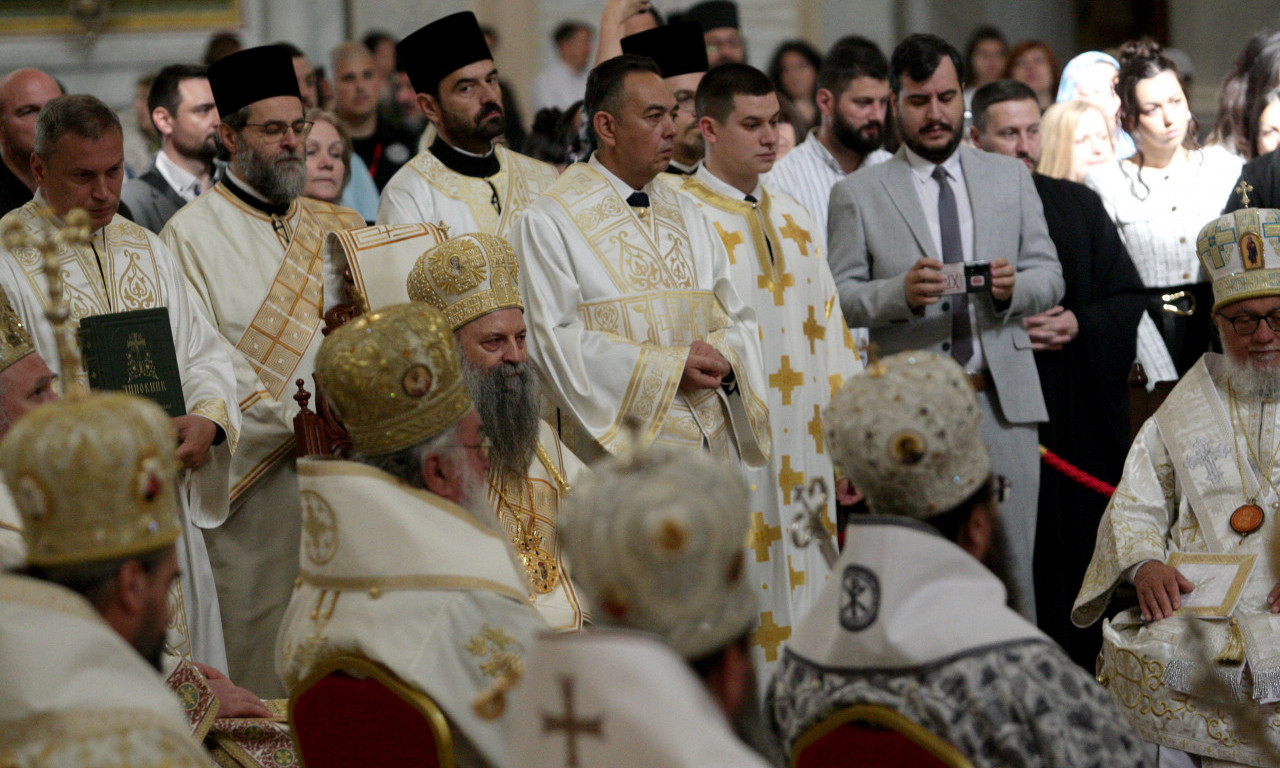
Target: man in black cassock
x=1084 y=349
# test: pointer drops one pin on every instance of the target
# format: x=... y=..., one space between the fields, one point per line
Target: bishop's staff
x=74 y=232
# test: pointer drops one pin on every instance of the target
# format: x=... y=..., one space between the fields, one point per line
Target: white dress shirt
x=185 y=183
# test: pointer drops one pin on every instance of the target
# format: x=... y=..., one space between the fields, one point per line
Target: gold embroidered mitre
x=94 y=478
x=394 y=377
x=1240 y=251
x=466 y=277
x=15 y=342
x=907 y=433
x=657 y=542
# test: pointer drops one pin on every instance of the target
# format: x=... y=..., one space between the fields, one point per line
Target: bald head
x=22 y=94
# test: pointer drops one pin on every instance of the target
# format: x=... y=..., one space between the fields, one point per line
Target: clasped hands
x=924 y=282
x=704 y=368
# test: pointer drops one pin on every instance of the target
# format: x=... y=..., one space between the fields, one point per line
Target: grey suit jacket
x=876 y=230
x=151 y=200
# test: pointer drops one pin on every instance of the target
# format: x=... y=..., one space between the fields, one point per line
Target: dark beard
x=855 y=139
x=935 y=156
x=508 y=400
x=280 y=182
x=467 y=134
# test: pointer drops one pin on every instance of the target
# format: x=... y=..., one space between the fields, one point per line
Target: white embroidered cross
x=1204 y=454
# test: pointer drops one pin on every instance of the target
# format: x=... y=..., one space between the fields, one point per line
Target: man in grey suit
x=894 y=229
x=183 y=111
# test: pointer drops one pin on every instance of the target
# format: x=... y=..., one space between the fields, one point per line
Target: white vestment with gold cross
x=126 y=268
x=808 y=354
x=73 y=693
x=614 y=296
x=527 y=511
x=1190 y=467
x=412 y=581
x=263 y=281
x=425 y=191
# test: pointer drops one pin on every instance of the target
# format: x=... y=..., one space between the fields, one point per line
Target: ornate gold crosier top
x=72 y=233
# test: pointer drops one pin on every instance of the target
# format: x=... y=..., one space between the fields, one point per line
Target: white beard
x=1254 y=382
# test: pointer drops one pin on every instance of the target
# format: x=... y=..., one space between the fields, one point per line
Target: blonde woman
x=1075 y=139
x=334 y=173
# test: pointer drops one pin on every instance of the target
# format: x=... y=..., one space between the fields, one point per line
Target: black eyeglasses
x=276 y=129
x=1247 y=324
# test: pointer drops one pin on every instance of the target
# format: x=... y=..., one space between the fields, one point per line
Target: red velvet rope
x=1075 y=473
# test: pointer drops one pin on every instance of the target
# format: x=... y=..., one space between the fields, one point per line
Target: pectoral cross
x=74 y=232
x=807 y=526
x=570 y=724
x=1243 y=189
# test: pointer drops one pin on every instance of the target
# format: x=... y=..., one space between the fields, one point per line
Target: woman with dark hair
x=1242 y=85
x=1034 y=63
x=1264 y=124
x=985 y=57
x=794 y=72
x=1159 y=198
x=554 y=137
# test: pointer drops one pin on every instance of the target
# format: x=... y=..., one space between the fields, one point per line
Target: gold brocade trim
x=249 y=210
x=255 y=742
x=145 y=740
x=640 y=256
x=648 y=395
x=329 y=468
x=260 y=469
x=552 y=469
x=277 y=337
x=421 y=581
x=772 y=276
x=178 y=621
x=199 y=702
x=518 y=181
x=215 y=410
x=686 y=316
x=24 y=590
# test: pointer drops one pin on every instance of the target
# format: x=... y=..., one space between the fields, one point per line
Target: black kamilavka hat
x=250 y=75
x=714 y=14
x=441 y=47
x=677 y=48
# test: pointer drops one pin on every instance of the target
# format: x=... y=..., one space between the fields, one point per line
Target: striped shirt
x=808 y=173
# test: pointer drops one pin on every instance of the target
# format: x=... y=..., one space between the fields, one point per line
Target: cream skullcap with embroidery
x=1240 y=251
x=656 y=539
x=15 y=342
x=393 y=376
x=907 y=433
x=94 y=478
x=466 y=277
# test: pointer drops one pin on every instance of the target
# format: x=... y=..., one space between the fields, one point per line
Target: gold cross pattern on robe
x=731 y=241
x=813 y=330
x=762 y=536
x=786 y=379
x=796 y=233
x=769 y=636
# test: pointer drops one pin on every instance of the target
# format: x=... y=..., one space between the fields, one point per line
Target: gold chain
x=1253 y=452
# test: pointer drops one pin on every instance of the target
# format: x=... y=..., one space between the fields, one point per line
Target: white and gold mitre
x=1240 y=251
x=15 y=342
x=94 y=478
x=466 y=277
x=394 y=377
x=907 y=433
x=657 y=540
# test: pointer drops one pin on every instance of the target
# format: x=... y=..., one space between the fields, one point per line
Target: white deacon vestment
x=409 y=580
x=1181 y=482
x=614 y=296
x=126 y=268
x=13 y=547
x=73 y=693
x=779 y=268
x=613 y=698
x=425 y=191
x=263 y=280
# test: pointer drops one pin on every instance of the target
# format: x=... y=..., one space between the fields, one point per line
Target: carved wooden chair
x=352 y=711
x=1144 y=404
x=873 y=734
x=321 y=432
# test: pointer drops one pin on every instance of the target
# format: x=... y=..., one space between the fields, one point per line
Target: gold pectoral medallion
x=539 y=564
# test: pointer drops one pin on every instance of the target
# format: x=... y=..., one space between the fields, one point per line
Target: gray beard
x=280 y=182
x=508 y=400
x=1252 y=382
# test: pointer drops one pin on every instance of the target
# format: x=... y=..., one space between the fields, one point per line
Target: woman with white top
x=1159 y=199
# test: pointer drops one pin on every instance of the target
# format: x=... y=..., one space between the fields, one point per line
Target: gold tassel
x=1233 y=652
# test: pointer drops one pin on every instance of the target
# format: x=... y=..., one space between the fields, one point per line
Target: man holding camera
x=902 y=231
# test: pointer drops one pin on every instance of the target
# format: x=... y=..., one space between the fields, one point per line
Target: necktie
x=638 y=200
x=953 y=253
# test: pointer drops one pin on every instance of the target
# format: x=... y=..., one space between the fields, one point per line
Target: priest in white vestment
x=633 y=316
x=252 y=252
x=1195 y=666
x=912 y=619
x=664 y=679
x=463 y=180
x=123 y=267
x=780 y=270
x=474 y=280
x=403 y=562
x=83 y=630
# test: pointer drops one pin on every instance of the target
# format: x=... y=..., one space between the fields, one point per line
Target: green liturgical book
x=133 y=352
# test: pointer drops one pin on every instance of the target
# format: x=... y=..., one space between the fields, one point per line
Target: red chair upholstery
x=352 y=712
x=870 y=734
